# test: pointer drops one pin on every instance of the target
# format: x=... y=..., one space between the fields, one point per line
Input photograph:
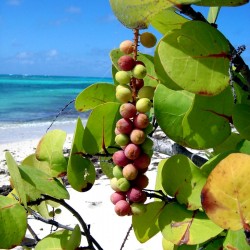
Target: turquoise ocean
x=29 y=104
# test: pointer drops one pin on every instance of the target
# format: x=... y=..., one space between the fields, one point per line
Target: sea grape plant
x=196 y=88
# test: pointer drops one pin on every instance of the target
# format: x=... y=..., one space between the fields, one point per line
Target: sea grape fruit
x=146 y=92
x=143 y=105
x=139 y=71
x=122 y=139
x=117 y=172
x=128 y=110
x=122 y=77
x=141 y=121
x=123 y=184
x=122 y=208
x=132 y=151
x=117 y=196
x=138 y=208
x=139 y=83
x=141 y=181
x=117 y=132
x=130 y=172
x=127 y=47
x=137 y=136
x=126 y=63
x=135 y=194
x=142 y=161
x=125 y=126
x=148 y=39
x=113 y=184
x=123 y=93
x=120 y=159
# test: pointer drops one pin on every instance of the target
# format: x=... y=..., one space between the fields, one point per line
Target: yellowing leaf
x=137 y=13
x=226 y=196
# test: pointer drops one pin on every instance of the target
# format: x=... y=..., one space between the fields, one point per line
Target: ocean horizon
x=30 y=104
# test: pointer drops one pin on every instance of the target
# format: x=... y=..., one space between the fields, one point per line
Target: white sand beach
x=95 y=207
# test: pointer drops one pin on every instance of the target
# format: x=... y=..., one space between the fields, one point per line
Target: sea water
x=30 y=104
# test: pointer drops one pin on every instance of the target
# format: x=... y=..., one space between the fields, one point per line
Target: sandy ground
x=94 y=206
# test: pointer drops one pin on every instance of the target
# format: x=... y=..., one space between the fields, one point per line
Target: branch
x=168 y=148
x=37 y=216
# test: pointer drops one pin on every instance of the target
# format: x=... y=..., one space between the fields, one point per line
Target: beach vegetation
x=195 y=88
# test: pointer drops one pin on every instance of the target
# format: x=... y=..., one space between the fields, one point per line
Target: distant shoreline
x=16 y=132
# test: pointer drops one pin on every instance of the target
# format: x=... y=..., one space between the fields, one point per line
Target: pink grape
x=132 y=151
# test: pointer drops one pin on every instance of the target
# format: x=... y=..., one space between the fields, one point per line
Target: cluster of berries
x=132 y=160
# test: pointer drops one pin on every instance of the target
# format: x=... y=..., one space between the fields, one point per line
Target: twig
x=126 y=237
x=59 y=225
x=33 y=234
x=78 y=217
x=59 y=113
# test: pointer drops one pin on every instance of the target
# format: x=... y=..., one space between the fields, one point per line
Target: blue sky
x=74 y=37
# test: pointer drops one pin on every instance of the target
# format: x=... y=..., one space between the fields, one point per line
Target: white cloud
x=74 y=10
x=52 y=53
x=25 y=58
x=14 y=2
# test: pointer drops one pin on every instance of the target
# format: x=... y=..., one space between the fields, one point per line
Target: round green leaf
x=95 y=95
x=221 y=2
x=225 y=196
x=81 y=172
x=13 y=223
x=50 y=149
x=235 y=240
x=196 y=57
x=229 y=144
x=207 y=122
x=169 y=115
x=137 y=14
x=100 y=127
x=187 y=185
x=58 y=240
x=244 y=147
x=167 y=20
x=146 y=225
x=43 y=182
x=16 y=177
x=241 y=119
x=181 y=226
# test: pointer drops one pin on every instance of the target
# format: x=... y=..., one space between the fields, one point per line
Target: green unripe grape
x=123 y=77
x=122 y=139
x=138 y=208
x=123 y=184
x=114 y=185
x=148 y=39
x=127 y=47
x=123 y=93
x=139 y=71
x=117 y=172
x=146 y=92
x=143 y=105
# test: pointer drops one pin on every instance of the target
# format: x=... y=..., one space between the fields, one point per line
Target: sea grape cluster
x=132 y=160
